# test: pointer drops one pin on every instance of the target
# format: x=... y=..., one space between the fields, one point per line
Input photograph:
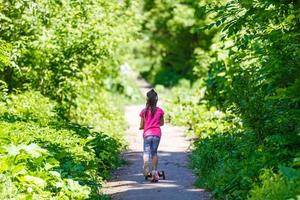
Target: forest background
x=230 y=70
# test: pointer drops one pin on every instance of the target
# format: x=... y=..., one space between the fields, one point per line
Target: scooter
x=160 y=174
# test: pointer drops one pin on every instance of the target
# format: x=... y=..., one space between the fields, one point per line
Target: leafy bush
x=26 y=173
x=57 y=45
x=241 y=60
x=50 y=155
x=277 y=186
x=226 y=157
x=62 y=94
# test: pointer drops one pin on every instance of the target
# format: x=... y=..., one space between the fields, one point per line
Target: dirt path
x=128 y=182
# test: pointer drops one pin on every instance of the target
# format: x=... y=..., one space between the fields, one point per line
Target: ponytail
x=151 y=102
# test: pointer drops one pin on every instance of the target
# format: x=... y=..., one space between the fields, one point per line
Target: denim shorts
x=150 y=145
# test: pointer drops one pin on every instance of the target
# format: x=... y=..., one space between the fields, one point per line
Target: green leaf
x=289 y=172
x=210 y=26
x=12 y=150
x=35 y=180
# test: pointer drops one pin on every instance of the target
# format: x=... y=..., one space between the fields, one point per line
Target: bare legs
x=145 y=167
x=146 y=161
x=154 y=162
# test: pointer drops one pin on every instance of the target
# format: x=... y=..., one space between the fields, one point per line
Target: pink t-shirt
x=152 y=124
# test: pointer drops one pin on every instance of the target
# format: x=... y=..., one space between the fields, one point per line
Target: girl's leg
x=145 y=166
x=154 y=162
x=146 y=155
x=154 y=146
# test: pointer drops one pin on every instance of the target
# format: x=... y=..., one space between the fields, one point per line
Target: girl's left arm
x=162 y=121
x=142 y=124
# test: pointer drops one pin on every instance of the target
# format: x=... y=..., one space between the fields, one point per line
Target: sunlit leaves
x=42 y=154
x=4 y=54
x=55 y=45
x=247 y=52
x=67 y=51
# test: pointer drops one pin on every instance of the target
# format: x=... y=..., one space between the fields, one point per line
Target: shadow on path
x=128 y=183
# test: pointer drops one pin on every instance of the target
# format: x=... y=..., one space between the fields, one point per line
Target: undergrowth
x=44 y=156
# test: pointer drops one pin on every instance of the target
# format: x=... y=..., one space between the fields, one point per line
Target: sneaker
x=155 y=176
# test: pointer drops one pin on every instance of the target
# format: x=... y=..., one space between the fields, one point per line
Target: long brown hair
x=151 y=102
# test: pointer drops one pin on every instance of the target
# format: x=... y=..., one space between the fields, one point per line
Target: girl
x=152 y=117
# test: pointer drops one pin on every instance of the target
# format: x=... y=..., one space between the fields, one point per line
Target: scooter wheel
x=163 y=175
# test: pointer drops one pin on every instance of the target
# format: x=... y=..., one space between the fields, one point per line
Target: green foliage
x=26 y=173
x=172 y=42
x=43 y=155
x=241 y=99
x=187 y=100
x=56 y=45
x=230 y=162
x=277 y=186
x=234 y=65
x=62 y=95
x=227 y=157
x=4 y=57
